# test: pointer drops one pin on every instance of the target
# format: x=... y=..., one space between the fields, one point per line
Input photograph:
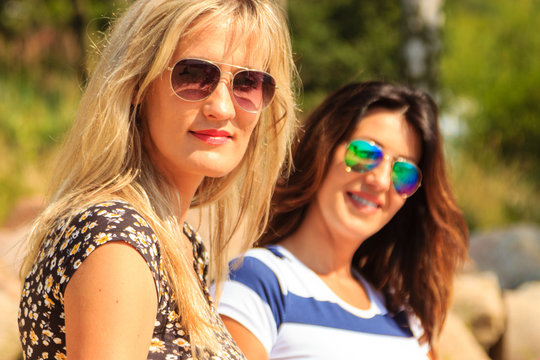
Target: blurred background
x=480 y=59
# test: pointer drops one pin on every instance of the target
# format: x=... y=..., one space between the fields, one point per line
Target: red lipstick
x=212 y=136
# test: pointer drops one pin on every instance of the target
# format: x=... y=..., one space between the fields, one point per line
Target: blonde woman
x=191 y=104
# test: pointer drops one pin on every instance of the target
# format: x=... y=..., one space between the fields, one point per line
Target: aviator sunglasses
x=196 y=79
x=365 y=155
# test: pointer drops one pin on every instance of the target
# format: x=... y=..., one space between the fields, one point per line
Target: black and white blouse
x=41 y=310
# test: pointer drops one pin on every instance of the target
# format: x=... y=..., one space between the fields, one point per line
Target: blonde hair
x=104 y=158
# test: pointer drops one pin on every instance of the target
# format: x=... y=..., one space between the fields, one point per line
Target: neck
x=186 y=192
x=185 y=185
x=329 y=256
x=315 y=245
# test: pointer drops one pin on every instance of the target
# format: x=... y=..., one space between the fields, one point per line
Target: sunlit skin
x=111 y=301
x=349 y=207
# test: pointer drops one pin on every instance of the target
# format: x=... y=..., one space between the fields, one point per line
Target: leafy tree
x=43 y=47
x=337 y=41
x=491 y=76
x=491 y=68
x=52 y=33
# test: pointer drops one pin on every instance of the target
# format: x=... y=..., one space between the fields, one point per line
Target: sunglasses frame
x=231 y=81
x=386 y=156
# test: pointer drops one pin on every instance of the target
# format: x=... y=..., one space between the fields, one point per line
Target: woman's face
x=357 y=205
x=190 y=140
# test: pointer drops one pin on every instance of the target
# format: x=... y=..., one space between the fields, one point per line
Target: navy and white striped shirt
x=295 y=315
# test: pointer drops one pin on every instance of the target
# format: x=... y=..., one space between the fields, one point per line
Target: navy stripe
x=291 y=308
x=256 y=275
x=275 y=251
x=328 y=314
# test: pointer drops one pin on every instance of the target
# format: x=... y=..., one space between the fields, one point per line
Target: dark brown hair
x=413 y=258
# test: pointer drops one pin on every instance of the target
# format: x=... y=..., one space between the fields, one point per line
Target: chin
x=218 y=165
x=217 y=174
x=218 y=171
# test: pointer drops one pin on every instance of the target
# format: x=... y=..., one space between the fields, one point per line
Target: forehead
x=222 y=40
x=390 y=129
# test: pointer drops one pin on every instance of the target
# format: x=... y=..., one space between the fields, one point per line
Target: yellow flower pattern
x=41 y=309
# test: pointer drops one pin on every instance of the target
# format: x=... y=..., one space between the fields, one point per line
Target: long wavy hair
x=103 y=157
x=413 y=258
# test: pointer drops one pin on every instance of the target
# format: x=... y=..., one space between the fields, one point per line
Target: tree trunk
x=421 y=48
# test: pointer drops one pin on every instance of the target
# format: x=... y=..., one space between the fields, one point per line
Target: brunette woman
x=358 y=258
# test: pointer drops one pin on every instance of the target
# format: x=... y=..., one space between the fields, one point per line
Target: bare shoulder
x=110 y=305
x=250 y=345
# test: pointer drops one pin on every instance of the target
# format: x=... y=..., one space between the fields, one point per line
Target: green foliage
x=20 y=17
x=489 y=79
x=338 y=41
x=42 y=46
x=53 y=35
x=492 y=196
x=491 y=58
x=34 y=113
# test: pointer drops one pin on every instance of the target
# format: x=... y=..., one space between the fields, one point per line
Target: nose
x=220 y=104
x=380 y=178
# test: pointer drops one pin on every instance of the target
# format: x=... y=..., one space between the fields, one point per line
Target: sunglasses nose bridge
x=380 y=176
x=228 y=78
x=386 y=159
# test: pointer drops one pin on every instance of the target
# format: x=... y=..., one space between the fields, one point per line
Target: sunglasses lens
x=362 y=156
x=406 y=177
x=193 y=79
x=253 y=90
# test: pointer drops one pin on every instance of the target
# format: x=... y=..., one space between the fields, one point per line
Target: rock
x=478 y=302
x=513 y=254
x=522 y=338
x=457 y=342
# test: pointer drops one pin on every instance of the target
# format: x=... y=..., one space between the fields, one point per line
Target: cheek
x=158 y=131
x=331 y=189
x=165 y=119
x=160 y=107
x=396 y=203
x=152 y=117
x=247 y=126
x=247 y=122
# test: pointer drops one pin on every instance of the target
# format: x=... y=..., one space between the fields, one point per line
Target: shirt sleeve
x=254 y=297
x=101 y=224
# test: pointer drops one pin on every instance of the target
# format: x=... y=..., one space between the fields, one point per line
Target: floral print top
x=41 y=309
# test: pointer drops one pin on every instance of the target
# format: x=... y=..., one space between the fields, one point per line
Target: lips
x=212 y=136
x=363 y=201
